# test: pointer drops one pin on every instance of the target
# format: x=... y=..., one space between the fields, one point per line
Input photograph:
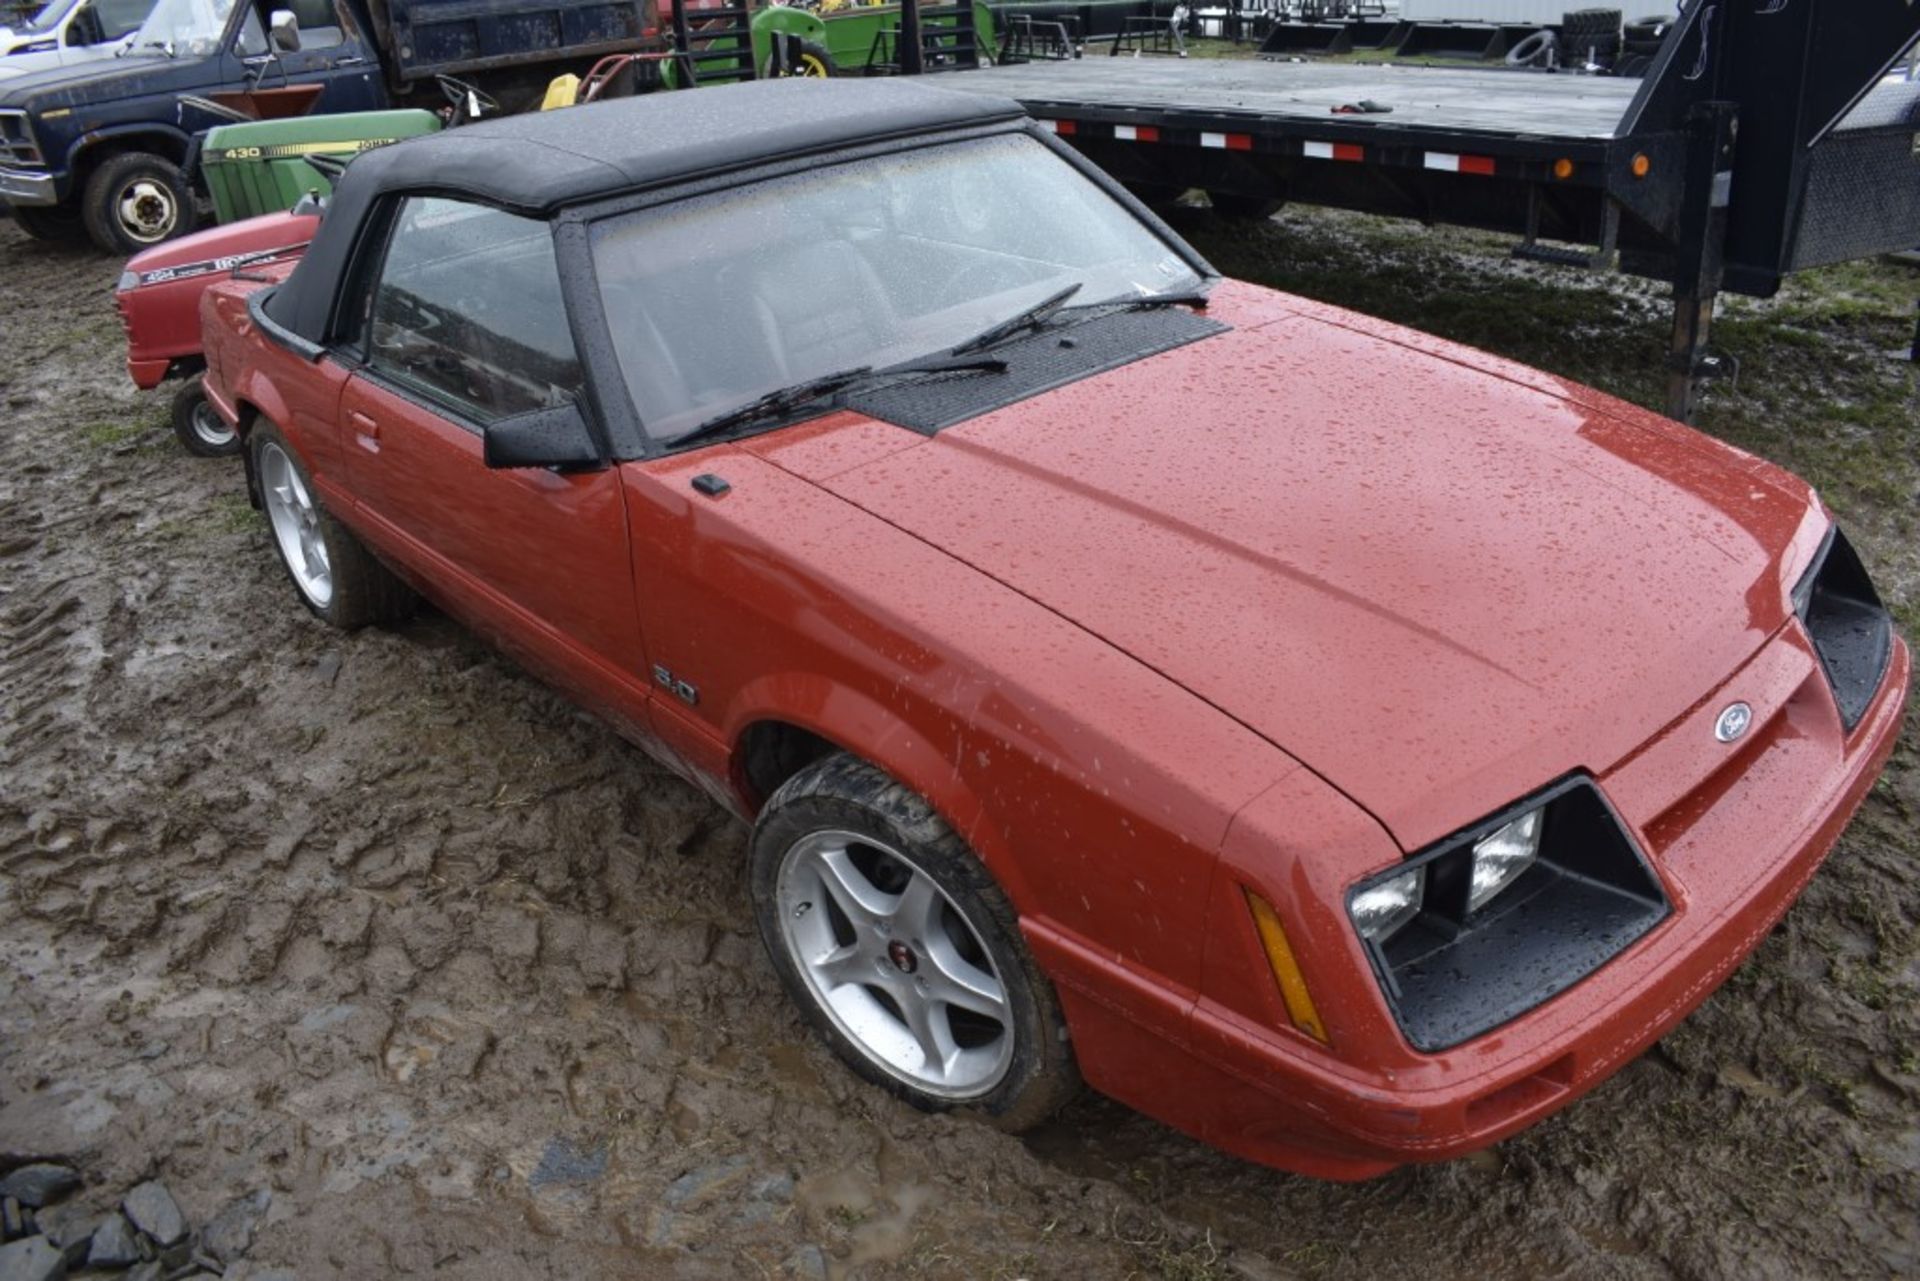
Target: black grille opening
x=1452 y=975
x=1850 y=629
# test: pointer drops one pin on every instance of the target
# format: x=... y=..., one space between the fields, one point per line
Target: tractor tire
x=135 y=200
x=1590 y=22
x=815 y=63
x=56 y=224
x=1590 y=35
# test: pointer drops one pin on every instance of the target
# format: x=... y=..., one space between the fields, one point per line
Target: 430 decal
x=292 y=150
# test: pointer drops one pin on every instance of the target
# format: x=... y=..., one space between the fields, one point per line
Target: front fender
x=147 y=135
x=906 y=743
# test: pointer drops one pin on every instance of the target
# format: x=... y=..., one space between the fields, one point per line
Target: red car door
x=465 y=325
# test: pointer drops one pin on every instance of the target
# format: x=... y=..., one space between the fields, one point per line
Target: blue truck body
x=62 y=129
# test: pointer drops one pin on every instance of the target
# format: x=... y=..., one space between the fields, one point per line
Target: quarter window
x=468 y=312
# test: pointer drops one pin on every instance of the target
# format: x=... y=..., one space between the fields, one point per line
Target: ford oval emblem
x=1733 y=723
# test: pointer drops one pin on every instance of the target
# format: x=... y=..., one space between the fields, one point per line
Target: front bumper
x=29 y=187
x=1735 y=851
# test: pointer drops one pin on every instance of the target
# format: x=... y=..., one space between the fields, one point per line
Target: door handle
x=366 y=432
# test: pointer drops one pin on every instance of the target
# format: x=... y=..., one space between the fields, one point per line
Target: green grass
x=104 y=435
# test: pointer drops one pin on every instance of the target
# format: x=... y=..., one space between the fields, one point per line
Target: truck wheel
x=135 y=200
x=1243 y=208
x=336 y=577
x=902 y=952
x=813 y=63
x=199 y=427
x=56 y=223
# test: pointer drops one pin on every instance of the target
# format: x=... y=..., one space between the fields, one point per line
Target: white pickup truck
x=69 y=31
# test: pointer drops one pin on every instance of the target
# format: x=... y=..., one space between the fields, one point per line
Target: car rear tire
x=55 y=224
x=135 y=200
x=902 y=952
x=336 y=577
x=200 y=428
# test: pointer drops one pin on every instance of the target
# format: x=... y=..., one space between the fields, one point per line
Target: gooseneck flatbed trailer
x=1761 y=142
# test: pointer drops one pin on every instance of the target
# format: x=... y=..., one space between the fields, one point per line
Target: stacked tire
x=1590 y=36
x=1641 y=46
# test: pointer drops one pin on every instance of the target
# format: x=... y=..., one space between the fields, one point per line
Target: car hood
x=1438 y=580
x=216 y=247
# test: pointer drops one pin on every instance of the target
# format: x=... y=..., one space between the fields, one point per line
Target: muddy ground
x=381 y=924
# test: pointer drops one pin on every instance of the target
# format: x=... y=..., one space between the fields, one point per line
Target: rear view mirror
x=557 y=438
x=285 y=29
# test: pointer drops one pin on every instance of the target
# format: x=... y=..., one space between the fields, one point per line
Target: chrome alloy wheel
x=209 y=427
x=895 y=964
x=147 y=210
x=296 y=524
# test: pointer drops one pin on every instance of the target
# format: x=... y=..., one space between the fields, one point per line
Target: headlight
x=1500 y=859
x=1383 y=909
x=1491 y=921
x=128 y=279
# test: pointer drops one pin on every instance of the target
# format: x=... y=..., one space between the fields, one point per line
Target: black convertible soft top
x=538 y=162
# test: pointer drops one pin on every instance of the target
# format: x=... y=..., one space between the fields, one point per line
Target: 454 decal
x=205 y=266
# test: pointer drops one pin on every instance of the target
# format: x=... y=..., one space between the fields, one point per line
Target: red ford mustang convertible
x=1344 y=746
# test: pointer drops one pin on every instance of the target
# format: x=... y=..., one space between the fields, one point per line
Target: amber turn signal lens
x=1642 y=166
x=1563 y=169
x=1286 y=970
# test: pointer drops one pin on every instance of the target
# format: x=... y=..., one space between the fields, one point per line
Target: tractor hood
x=1438 y=581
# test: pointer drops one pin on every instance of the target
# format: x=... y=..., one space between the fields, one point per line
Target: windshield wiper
x=1143 y=302
x=1032 y=318
x=785 y=400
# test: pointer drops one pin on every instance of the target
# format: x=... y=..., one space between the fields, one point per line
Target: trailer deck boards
x=1472 y=102
x=1760 y=142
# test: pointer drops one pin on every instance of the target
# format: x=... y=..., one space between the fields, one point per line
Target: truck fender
x=161 y=140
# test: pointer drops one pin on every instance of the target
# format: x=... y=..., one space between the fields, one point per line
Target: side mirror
x=285 y=31
x=557 y=438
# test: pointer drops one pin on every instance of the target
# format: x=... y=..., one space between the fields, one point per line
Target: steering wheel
x=468 y=101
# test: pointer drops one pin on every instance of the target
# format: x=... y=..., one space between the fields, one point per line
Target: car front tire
x=336 y=577
x=902 y=952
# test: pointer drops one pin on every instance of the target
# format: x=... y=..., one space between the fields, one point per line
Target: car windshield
x=48 y=18
x=717 y=300
x=184 y=27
